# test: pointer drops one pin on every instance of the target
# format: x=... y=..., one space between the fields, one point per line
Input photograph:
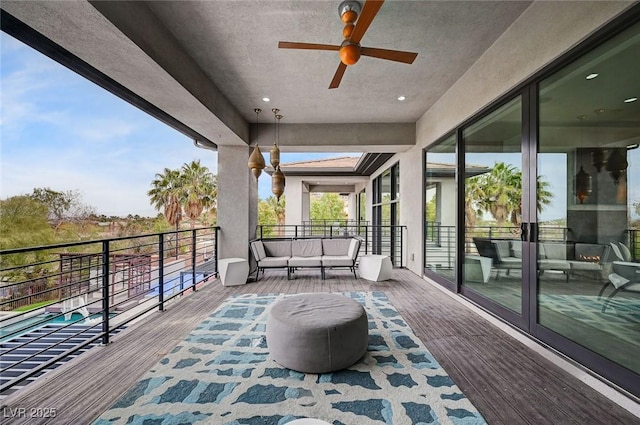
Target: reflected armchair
x=625 y=277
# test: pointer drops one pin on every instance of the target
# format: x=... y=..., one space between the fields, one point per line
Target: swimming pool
x=35 y=322
x=175 y=285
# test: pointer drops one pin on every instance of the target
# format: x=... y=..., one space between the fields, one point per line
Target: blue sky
x=61 y=131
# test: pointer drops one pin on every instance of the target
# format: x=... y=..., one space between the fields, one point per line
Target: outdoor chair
x=625 y=277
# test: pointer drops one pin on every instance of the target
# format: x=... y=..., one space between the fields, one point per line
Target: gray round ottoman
x=317 y=333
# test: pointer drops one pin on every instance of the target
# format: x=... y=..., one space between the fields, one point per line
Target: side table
x=233 y=271
x=375 y=267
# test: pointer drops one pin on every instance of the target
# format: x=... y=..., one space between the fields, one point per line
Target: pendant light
x=274 y=153
x=598 y=155
x=582 y=181
x=598 y=158
x=617 y=164
x=277 y=179
x=256 y=160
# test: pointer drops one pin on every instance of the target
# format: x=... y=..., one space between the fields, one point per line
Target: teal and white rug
x=221 y=374
x=621 y=318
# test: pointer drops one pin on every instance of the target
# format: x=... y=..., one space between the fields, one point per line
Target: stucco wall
x=543 y=32
x=237 y=202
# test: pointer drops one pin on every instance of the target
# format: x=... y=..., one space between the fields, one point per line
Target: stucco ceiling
x=209 y=63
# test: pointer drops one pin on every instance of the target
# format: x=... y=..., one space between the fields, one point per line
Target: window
x=386 y=214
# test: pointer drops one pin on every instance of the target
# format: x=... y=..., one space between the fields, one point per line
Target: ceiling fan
x=350 y=49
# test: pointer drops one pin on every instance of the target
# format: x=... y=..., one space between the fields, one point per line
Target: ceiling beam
x=361 y=137
x=136 y=21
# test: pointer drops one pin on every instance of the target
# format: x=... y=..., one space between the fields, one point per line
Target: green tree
x=278 y=209
x=63 y=206
x=184 y=192
x=23 y=223
x=499 y=193
x=266 y=217
x=329 y=207
x=165 y=194
x=199 y=190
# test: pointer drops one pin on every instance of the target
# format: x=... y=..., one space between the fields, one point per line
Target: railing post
x=105 y=292
x=215 y=255
x=366 y=240
x=193 y=258
x=161 y=273
x=260 y=233
x=296 y=232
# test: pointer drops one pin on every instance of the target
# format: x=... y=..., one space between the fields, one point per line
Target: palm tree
x=199 y=190
x=278 y=210
x=499 y=192
x=165 y=195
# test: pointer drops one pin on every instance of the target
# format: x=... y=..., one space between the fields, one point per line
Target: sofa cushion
x=277 y=248
x=257 y=247
x=516 y=249
x=305 y=261
x=337 y=261
x=306 y=248
x=546 y=264
x=335 y=246
x=353 y=248
x=274 y=262
x=555 y=251
x=503 y=249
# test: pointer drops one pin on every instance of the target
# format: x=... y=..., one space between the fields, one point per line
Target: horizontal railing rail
x=440 y=249
x=384 y=239
x=58 y=300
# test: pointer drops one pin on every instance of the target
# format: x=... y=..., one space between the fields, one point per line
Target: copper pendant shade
x=617 y=164
x=599 y=158
x=256 y=160
x=277 y=179
x=277 y=183
x=582 y=185
x=274 y=153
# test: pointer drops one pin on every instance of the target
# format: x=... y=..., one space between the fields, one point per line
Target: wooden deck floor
x=506 y=381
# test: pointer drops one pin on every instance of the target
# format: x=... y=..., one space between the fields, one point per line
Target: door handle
x=533 y=232
x=524 y=232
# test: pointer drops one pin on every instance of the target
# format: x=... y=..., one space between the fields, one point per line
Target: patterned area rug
x=621 y=318
x=222 y=374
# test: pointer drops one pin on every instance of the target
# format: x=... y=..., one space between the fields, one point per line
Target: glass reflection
x=493 y=206
x=441 y=208
x=589 y=244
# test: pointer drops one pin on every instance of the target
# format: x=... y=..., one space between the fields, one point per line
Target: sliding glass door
x=493 y=195
x=589 y=209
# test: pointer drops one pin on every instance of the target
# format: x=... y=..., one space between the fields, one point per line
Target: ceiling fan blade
x=338 y=76
x=392 y=55
x=369 y=11
x=308 y=46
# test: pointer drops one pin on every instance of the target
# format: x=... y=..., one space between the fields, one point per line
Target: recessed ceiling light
x=591 y=76
x=402 y=98
x=631 y=99
x=265 y=99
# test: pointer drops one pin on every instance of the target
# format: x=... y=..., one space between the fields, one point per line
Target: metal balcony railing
x=386 y=239
x=58 y=300
x=440 y=241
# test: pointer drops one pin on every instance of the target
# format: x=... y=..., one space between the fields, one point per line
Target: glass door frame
x=520 y=320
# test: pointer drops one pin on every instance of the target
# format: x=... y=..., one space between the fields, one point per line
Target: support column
x=237 y=202
x=294 y=205
x=352 y=203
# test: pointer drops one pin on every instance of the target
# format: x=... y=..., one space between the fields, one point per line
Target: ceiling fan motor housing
x=349 y=52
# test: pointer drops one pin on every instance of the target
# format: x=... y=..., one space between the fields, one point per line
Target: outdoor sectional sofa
x=506 y=254
x=306 y=253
